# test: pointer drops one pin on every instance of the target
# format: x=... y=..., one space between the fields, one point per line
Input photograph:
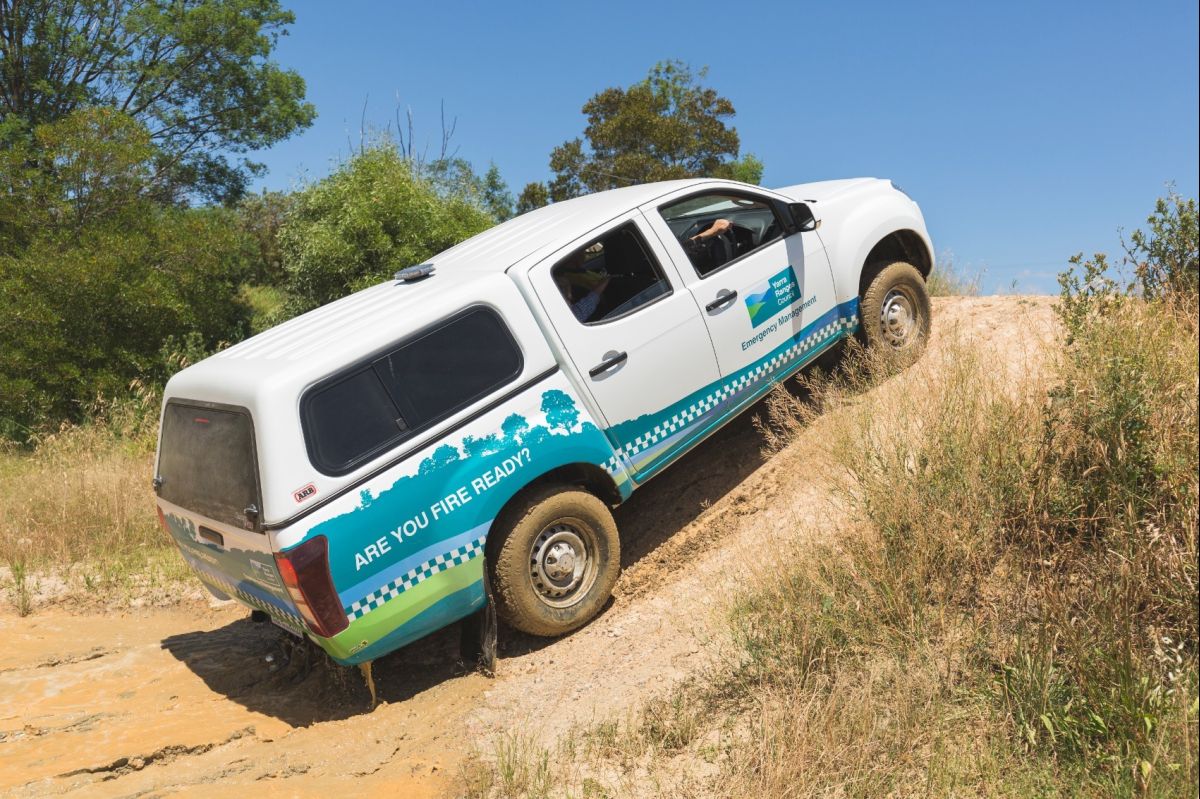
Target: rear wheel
x=554 y=559
x=895 y=309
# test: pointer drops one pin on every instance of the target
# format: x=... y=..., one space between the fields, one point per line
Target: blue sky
x=1027 y=131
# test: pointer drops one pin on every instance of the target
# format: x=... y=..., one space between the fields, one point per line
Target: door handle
x=611 y=361
x=721 y=301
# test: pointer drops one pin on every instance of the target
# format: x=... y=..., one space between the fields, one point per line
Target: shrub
x=85 y=313
x=1165 y=256
x=372 y=216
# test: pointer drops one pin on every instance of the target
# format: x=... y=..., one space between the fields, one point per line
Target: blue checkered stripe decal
x=723 y=393
x=286 y=618
x=415 y=577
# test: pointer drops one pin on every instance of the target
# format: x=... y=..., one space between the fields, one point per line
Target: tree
x=263 y=216
x=497 y=199
x=560 y=410
x=456 y=179
x=196 y=74
x=96 y=276
x=82 y=313
x=372 y=216
x=88 y=167
x=748 y=170
x=533 y=196
x=664 y=127
x=513 y=427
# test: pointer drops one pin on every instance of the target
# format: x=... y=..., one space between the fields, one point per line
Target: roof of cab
x=551 y=226
x=367 y=320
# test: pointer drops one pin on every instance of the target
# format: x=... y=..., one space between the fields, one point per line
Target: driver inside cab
x=709 y=249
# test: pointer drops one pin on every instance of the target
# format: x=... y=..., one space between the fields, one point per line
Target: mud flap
x=478 y=637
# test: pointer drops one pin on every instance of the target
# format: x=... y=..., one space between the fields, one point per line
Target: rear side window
x=610 y=277
x=206 y=462
x=353 y=416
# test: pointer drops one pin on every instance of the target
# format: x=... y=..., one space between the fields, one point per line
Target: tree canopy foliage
x=196 y=74
x=99 y=281
x=534 y=195
x=665 y=127
x=85 y=313
x=128 y=244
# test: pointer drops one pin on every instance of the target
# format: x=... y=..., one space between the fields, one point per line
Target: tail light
x=305 y=573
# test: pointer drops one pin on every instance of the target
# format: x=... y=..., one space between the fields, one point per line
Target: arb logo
x=304 y=493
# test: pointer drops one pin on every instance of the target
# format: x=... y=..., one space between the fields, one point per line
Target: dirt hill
x=184 y=699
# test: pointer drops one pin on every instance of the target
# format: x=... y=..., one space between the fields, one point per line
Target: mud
x=196 y=699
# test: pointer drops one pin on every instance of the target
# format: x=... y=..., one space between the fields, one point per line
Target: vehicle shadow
x=269 y=671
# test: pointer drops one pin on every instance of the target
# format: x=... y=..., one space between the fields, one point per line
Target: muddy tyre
x=554 y=558
x=895 y=310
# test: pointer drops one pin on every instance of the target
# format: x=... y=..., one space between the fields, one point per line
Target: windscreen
x=206 y=462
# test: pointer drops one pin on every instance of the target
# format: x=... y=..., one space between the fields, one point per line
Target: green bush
x=371 y=217
x=1164 y=257
x=98 y=272
x=86 y=313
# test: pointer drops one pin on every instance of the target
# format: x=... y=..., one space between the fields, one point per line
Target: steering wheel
x=730 y=243
x=722 y=246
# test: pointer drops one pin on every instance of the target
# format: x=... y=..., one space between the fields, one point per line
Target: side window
x=716 y=228
x=353 y=416
x=610 y=277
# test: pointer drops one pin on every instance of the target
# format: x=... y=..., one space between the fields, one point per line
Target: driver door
x=758 y=300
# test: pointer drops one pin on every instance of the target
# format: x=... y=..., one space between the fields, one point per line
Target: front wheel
x=895 y=309
x=554 y=559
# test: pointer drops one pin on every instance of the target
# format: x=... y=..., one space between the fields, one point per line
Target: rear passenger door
x=632 y=330
x=758 y=291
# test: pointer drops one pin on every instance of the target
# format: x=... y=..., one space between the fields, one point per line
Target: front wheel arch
x=899 y=245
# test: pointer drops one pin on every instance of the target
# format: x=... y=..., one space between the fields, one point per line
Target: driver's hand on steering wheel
x=716 y=228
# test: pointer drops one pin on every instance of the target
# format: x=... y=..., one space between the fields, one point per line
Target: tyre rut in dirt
x=554 y=557
x=895 y=310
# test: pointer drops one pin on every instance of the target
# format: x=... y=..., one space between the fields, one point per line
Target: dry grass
x=77 y=515
x=949 y=280
x=1009 y=610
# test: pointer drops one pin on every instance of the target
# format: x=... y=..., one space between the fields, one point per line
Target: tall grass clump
x=1039 y=540
x=949 y=280
x=77 y=511
x=1085 y=517
x=1009 y=605
x=1103 y=671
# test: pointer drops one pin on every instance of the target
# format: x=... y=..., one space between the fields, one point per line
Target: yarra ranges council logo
x=772 y=295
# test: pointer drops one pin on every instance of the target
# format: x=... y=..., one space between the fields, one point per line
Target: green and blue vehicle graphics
x=406 y=547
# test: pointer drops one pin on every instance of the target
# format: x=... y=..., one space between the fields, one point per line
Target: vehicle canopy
x=268 y=374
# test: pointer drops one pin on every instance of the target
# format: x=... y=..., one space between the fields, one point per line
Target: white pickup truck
x=456 y=438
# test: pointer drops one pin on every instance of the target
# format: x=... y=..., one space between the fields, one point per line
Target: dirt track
x=183 y=701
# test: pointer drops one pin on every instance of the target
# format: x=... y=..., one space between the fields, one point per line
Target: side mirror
x=803 y=217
